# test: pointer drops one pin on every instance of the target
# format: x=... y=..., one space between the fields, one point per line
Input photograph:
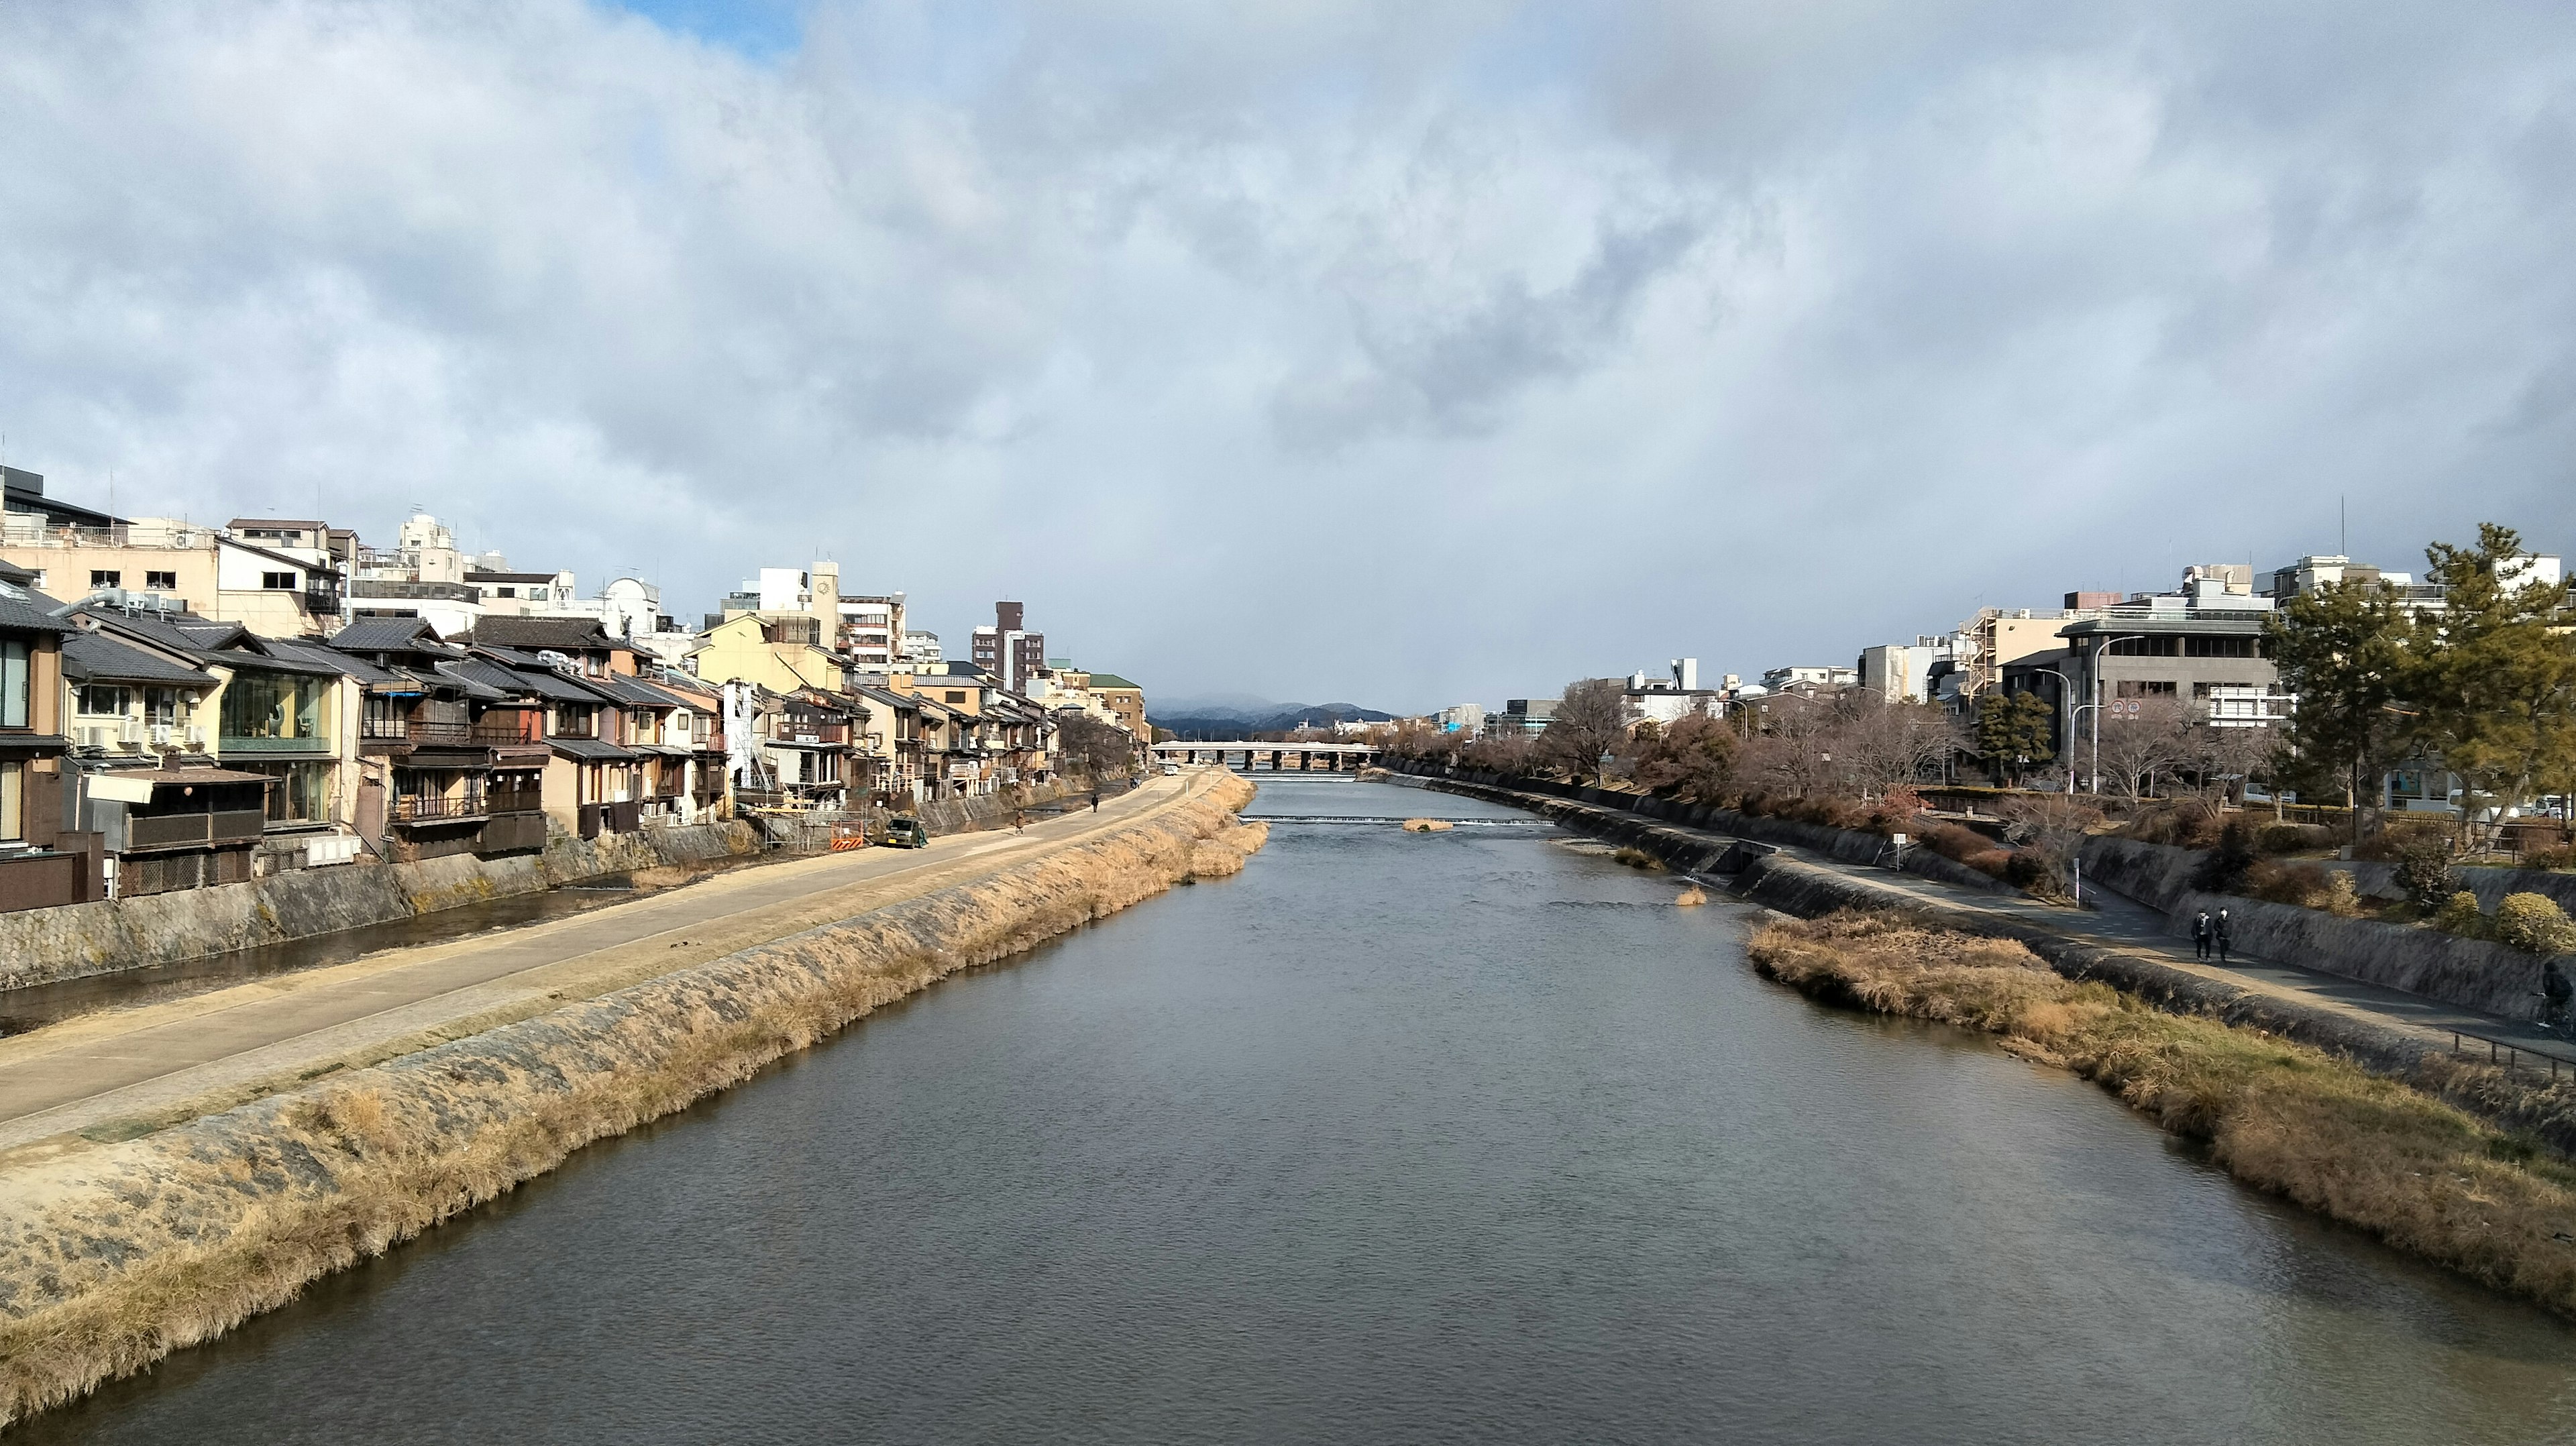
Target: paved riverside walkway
x=2125 y=926
x=119 y=1072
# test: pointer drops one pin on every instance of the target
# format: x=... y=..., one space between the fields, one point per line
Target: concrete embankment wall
x=111 y=1257
x=1844 y=845
x=40 y=946
x=2490 y=885
x=2470 y=972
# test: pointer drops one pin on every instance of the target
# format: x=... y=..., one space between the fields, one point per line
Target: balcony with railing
x=442 y=733
x=432 y=808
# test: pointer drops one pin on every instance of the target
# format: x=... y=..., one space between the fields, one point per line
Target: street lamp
x=2099 y=649
x=2066 y=690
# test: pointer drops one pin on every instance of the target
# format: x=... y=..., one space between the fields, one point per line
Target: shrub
x=1990 y=860
x=2305 y=885
x=2343 y=896
x=2292 y=838
x=2393 y=839
x=1955 y=841
x=2561 y=857
x=2226 y=868
x=2032 y=870
x=2534 y=924
x=2424 y=872
x=2459 y=915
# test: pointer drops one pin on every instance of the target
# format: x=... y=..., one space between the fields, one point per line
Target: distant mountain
x=1218 y=723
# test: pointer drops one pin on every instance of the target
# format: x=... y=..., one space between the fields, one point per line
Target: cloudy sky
x=1402 y=353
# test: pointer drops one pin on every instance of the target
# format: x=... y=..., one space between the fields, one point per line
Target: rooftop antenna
x=2343 y=529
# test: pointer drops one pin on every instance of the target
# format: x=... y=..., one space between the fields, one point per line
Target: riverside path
x=121 y=1072
x=2124 y=926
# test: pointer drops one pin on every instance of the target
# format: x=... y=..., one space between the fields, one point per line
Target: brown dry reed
x=2280 y=1116
x=123 y=1253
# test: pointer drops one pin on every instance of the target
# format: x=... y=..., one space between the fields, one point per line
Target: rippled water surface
x=1455 y=1137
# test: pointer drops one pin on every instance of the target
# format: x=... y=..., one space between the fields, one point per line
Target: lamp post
x=2099 y=649
x=2066 y=690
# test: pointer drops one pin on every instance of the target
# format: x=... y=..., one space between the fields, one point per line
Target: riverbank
x=2283 y=1117
x=112 y=1254
x=78 y=941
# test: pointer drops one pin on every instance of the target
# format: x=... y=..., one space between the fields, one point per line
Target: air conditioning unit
x=98 y=735
x=196 y=736
x=161 y=735
x=130 y=733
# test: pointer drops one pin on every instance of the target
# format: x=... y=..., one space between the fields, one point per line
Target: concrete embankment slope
x=111 y=1255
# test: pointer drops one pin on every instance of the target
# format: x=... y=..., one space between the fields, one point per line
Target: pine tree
x=2496 y=676
x=2346 y=651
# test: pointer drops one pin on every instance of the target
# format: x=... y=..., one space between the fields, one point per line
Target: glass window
x=106 y=577
x=273 y=705
x=101 y=700
x=161 y=705
x=13 y=685
x=12 y=813
x=161 y=581
x=277 y=581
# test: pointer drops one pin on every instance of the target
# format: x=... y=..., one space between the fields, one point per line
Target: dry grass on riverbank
x=2280 y=1116
x=117 y=1257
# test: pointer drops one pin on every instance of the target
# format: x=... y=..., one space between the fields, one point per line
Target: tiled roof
x=563 y=634
x=25 y=610
x=1111 y=680
x=386 y=635
x=89 y=656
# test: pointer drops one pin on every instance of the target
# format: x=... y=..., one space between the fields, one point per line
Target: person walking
x=2218 y=935
x=1095 y=800
x=2555 y=989
x=2200 y=936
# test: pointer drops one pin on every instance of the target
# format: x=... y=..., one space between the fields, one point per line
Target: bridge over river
x=1283 y=757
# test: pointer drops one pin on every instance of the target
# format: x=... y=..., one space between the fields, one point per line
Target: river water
x=1461 y=1137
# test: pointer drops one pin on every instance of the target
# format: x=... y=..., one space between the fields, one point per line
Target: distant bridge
x=1284 y=757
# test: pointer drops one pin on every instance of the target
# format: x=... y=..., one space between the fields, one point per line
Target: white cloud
x=1394 y=353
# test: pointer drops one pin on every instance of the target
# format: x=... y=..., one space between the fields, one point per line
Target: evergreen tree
x=2345 y=650
x=2015 y=731
x=2496 y=676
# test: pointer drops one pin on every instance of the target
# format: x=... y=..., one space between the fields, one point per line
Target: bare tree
x=1513 y=753
x=2047 y=829
x=1590 y=720
x=1791 y=750
x=2143 y=739
x=1891 y=745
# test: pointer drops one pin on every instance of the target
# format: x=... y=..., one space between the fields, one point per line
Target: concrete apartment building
x=1007 y=650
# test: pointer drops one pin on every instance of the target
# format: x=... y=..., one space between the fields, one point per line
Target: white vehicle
x=1171 y=770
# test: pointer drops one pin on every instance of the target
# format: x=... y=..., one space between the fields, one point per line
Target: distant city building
x=1902 y=672
x=1467 y=718
x=1823 y=678
x=1007 y=649
x=1675 y=695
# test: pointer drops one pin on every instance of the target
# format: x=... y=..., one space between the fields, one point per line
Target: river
x=1461 y=1137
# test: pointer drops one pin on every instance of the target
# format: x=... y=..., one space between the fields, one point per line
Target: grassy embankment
x=116 y=1256
x=2280 y=1116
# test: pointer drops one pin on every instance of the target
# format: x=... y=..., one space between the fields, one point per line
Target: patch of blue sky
x=760 y=29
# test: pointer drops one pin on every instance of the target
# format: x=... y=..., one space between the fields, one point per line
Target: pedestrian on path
x=2200 y=935
x=1095 y=800
x=2556 y=990
x=2218 y=932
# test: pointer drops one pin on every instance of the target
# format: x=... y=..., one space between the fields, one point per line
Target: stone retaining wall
x=2469 y=972
x=1850 y=846
x=39 y=946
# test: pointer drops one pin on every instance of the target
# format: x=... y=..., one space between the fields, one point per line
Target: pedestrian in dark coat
x=2218 y=932
x=2200 y=934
